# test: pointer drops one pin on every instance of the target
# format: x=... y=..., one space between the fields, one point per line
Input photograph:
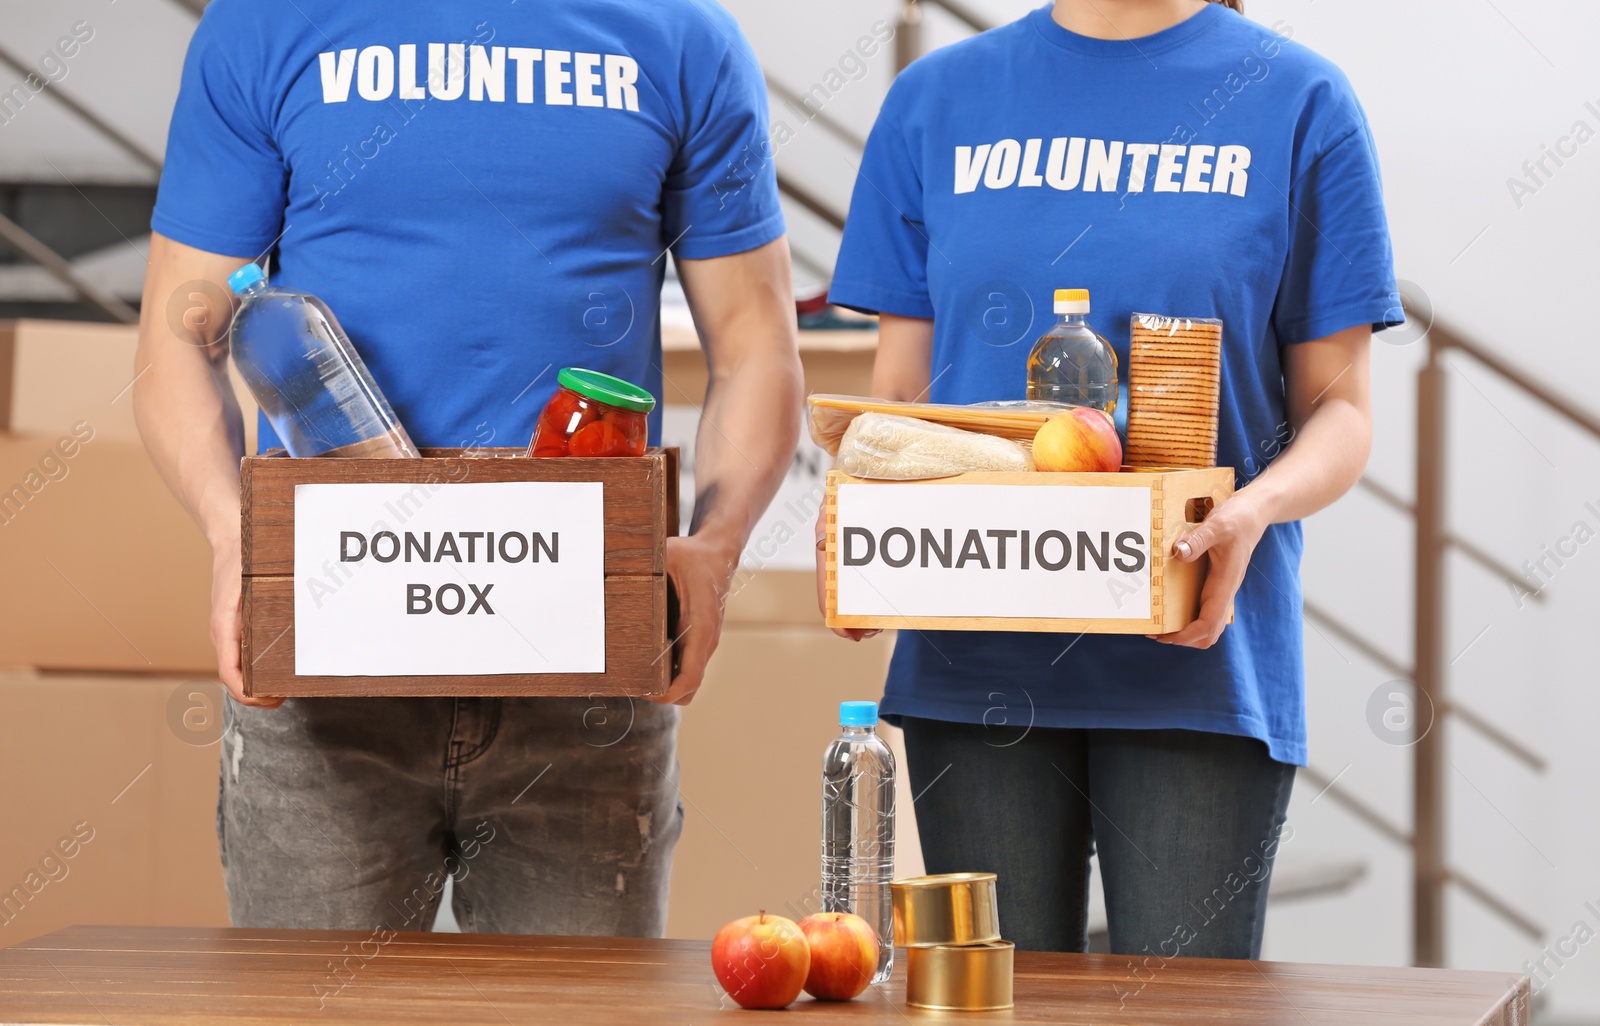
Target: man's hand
x=701 y=574
x=1230 y=535
x=227 y=624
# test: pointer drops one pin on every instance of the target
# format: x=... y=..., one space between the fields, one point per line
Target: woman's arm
x=905 y=358
x=1329 y=433
x=901 y=371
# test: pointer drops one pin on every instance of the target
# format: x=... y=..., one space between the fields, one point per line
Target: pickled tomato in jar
x=593 y=414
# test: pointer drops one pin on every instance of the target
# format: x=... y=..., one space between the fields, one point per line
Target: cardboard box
x=120 y=771
x=333 y=606
x=1018 y=551
x=56 y=373
x=103 y=569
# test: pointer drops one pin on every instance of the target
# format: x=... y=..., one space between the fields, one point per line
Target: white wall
x=1460 y=95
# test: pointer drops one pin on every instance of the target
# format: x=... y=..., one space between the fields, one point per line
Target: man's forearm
x=745 y=445
x=183 y=402
x=743 y=306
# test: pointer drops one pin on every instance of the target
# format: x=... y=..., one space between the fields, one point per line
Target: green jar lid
x=603 y=388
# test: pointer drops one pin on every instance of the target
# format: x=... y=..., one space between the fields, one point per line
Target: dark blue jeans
x=1186 y=825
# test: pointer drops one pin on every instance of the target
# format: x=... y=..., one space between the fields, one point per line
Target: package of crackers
x=1174 y=382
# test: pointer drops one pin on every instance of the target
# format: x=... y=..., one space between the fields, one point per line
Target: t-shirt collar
x=1143 y=46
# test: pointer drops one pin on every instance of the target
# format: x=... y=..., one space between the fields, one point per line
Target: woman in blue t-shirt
x=1180 y=161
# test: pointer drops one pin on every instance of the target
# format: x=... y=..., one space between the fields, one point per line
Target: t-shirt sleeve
x=1340 y=269
x=224 y=185
x=721 y=193
x=883 y=258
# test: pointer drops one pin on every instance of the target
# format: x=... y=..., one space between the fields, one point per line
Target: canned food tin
x=973 y=978
x=953 y=908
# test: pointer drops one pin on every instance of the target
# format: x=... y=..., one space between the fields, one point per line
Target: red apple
x=1081 y=439
x=844 y=955
x=761 y=960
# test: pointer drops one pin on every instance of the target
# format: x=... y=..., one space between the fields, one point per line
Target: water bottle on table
x=308 y=378
x=858 y=826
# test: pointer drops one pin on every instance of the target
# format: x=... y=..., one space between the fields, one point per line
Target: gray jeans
x=550 y=815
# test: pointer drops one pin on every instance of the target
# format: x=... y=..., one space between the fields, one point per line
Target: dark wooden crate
x=641 y=512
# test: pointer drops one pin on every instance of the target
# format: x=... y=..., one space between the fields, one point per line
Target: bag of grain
x=888 y=447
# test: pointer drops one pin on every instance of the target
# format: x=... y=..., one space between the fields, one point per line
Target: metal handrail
x=961 y=12
x=810 y=200
x=62 y=270
x=1582 y=418
x=1431 y=870
x=797 y=103
x=84 y=114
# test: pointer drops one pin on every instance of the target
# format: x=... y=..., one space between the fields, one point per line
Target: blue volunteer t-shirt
x=483 y=193
x=1210 y=170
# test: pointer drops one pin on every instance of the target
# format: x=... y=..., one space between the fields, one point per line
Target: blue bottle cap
x=246 y=276
x=858 y=714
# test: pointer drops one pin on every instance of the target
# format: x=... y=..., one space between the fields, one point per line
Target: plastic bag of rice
x=893 y=448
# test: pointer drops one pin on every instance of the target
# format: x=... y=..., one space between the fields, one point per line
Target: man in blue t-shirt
x=484 y=194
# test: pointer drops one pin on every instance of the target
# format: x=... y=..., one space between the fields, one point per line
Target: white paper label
x=431 y=579
x=994 y=550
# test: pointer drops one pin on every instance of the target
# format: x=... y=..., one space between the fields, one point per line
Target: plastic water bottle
x=1072 y=364
x=308 y=378
x=858 y=826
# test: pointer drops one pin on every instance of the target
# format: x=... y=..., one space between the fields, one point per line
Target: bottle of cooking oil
x=1070 y=363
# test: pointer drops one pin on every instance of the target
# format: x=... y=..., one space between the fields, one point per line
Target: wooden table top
x=95 y=975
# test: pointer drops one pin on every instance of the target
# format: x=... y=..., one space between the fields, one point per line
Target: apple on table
x=844 y=955
x=761 y=960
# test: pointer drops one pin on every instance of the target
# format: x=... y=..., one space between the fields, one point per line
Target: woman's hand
x=901 y=372
x=852 y=633
x=1230 y=535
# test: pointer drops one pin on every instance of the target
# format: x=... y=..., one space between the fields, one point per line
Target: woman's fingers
x=1228 y=566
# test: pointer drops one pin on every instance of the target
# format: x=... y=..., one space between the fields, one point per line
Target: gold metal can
x=953 y=908
x=972 y=978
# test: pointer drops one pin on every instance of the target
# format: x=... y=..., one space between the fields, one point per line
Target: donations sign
x=1024 y=551
x=468 y=579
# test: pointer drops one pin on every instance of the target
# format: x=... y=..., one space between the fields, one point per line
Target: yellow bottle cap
x=1072 y=295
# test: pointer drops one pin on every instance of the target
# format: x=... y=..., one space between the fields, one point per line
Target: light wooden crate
x=1179 y=501
x=640 y=513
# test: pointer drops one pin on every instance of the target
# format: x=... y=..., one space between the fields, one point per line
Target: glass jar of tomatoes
x=593 y=414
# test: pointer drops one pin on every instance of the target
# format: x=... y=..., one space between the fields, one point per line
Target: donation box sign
x=1020 y=551
x=445 y=579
